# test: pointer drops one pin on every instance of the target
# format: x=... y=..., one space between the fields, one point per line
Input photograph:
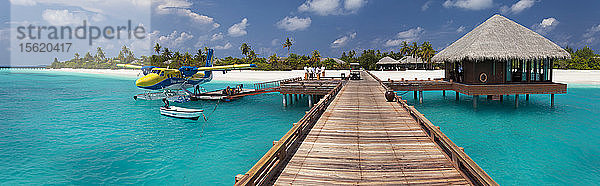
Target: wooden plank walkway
x=361 y=139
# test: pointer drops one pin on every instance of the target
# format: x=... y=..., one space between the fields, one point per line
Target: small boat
x=179 y=112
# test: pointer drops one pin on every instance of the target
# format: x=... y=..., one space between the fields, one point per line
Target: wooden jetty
x=353 y=136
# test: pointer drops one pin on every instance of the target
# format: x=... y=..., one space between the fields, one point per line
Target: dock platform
x=353 y=136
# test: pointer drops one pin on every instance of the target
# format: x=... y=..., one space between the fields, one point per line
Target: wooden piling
x=475 y=100
x=552 y=100
x=516 y=100
x=526 y=97
x=284 y=100
x=415 y=94
x=457 y=96
x=501 y=98
x=421 y=96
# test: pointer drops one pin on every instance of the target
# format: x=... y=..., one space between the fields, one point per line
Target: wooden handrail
x=263 y=171
x=459 y=158
x=274 y=84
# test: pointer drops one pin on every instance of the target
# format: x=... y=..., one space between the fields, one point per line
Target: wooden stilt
x=526 y=97
x=552 y=100
x=501 y=98
x=475 y=100
x=457 y=96
x=516 y=100
x=444 y=93
x=285 y=100
x=421 y=96
x=415 y=94
x=310 y=101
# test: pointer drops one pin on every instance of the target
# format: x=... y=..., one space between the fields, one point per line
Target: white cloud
x=426 y=5
x=546 y=25
x=340 y=42
x=332 y=7
x=517 y=7
x=181 y=8
x=217 y=36
x=590 y=35
x=173 y=40
x=238 y=29
x=294 y=23
x=460 y=29
x=63 y=17
x=354 y=5
x=469 y=4
x=224 y=47
x=23 y=2
x=275 y=42
x=410 y=35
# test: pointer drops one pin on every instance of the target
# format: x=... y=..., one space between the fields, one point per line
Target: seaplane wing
x=157 y=78
x=227 y=67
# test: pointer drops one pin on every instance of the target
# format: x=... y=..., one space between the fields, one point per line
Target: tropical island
x=582 y=59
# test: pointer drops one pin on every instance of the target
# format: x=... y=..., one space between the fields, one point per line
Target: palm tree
x=288 y=44
x=157 y=48
x=245 y=48
x=166 y=54
x=316 y=57
x=414 y=52
x=404 y=49
x=427 y=53
x=100 y=54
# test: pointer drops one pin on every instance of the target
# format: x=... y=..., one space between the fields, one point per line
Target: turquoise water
x=63 y=128
x=530 y=145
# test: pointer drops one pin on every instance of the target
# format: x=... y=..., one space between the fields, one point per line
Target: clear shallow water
x=65 y=128
x=530 y=145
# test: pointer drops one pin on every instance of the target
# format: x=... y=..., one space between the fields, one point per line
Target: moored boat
x=179 y=112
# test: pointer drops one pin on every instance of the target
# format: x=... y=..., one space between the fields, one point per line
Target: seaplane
x=173 y=84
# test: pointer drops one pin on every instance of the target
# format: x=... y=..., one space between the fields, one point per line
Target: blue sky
x=333 y=26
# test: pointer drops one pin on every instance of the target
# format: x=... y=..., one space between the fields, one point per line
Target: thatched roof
x=339 y=61
x=410 y=59
x=388 y=61
x=499 y=38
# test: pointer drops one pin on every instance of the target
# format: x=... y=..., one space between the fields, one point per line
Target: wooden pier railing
x=459 y=158
x=264 y=170
x=274 y=84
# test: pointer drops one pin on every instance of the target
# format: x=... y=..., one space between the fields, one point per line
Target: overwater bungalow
x=388 y=63
x=411 y=62
x=499 y=57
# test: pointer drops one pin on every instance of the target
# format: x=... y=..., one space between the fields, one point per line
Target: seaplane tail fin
x=209 y=56
x=129 y=66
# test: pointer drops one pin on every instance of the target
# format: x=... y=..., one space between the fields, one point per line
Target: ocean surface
x=75 y=129
x=534 y=144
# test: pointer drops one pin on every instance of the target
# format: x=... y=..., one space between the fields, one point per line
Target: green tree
x=315 y=58
x=245 y=48
x=157 y=48
x=426 y=53
x=288 y=44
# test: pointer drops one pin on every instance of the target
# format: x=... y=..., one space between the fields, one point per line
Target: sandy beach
x=561 y=76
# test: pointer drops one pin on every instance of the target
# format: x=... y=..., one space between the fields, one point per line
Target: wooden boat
x=179 y=112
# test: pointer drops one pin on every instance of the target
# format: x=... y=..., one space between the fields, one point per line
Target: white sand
x=560 y=76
